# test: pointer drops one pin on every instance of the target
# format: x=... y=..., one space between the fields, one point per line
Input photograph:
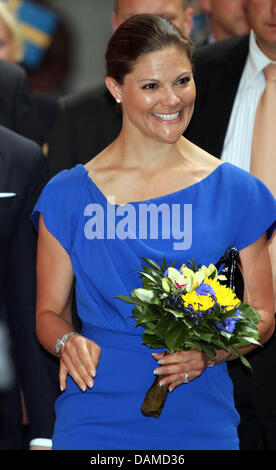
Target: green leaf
x=129 y=300
x=152 y=341
x=139 y=309
x=250 y=332
x=245 y=362
x=236 y=352
x=144 y=295
x=192 y=265
x=147 y=275
x=213 y=275
x=207 y=349
x=175 y=313
x=252 y=340
x=175 y=338
x=162 y=327
x=189 y=323
x=164 y=265
x=250 y=313
x=146 y=317
x=219 y=343
x=228 y=336
x=152 y=263
x=163 y=296
x=157 y=275
x=206 y=336
x=201 y=346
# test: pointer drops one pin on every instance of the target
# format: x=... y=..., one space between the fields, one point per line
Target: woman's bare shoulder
x=99 y=162
x=201 y=161
x=204 y=158
x=103 y=169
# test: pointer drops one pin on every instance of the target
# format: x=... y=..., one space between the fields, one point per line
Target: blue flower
x=230 y=323
x=205 y=289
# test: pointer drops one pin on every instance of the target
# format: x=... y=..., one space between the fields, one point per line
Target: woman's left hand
x=180 y=367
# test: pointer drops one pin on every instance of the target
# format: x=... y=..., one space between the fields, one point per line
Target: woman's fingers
x=191 y=359
x=180 y=367
x=171 y=369
x=63 y=372
x=78 y=372
x=94 y=352
x=80 y=356
x=67 y=367
x=173 y=380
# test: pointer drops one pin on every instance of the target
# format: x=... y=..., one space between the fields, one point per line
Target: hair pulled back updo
x=140 y=35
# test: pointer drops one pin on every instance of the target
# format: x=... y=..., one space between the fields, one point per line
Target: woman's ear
x=114 y=88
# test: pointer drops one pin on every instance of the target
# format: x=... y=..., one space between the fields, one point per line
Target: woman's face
x=6 y=43
x=158 y=95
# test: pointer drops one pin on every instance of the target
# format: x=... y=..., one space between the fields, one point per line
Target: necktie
x=263 y=154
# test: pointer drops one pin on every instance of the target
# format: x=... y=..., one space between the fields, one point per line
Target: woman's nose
x=169 y=97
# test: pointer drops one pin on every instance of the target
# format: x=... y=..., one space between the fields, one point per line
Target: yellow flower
x=198 y=302
x=225 y=296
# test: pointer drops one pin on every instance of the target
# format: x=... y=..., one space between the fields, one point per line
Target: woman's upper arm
x=55 y=276
x=258 y=287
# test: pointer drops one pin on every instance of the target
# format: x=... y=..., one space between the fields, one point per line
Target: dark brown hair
x=140 y=35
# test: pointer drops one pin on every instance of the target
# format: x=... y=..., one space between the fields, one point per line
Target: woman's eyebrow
x=156 y=79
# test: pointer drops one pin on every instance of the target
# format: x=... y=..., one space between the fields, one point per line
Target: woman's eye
x=149 y=86
x=184 y=80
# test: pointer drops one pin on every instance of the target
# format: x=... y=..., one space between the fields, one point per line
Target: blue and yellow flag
x=37 y=25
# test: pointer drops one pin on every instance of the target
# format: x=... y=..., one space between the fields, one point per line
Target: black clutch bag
x=228 y=265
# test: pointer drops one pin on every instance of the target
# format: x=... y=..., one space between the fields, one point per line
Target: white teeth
x=167 y=117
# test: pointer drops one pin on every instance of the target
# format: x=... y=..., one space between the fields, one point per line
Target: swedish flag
x=37 y=25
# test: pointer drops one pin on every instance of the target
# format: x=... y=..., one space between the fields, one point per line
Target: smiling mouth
x=168 y=117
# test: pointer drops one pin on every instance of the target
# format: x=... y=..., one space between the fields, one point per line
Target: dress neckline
x=105 y=198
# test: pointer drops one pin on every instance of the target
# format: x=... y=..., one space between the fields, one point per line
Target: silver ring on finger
x=186 y=378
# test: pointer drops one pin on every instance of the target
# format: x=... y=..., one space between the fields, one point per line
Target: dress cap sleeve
x=258 y=213
x=57 y=204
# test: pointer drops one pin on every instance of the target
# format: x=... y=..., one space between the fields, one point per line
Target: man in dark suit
x=89 y=121
x=22 y=176
x=22 y=165
x=217 y=72
x=17 y=107
x=230 y=80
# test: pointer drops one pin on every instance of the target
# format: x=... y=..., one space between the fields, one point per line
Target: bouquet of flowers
x=189 y=308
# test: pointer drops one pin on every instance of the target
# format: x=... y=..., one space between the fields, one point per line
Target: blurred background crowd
x=64 y=41
x=61 y=44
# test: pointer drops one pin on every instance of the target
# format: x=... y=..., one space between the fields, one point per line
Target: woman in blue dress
x=151 y=193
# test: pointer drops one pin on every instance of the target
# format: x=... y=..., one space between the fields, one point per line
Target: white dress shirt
x=41 y=442
x=238 y=139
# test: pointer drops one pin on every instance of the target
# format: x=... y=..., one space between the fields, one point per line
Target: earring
x=118 y=100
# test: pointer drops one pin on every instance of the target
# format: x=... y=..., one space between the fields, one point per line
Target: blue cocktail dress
x=106 y=244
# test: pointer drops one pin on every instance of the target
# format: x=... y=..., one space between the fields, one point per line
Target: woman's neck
x=134 y=150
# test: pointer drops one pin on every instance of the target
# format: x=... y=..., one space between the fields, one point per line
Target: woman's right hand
x=79 y=358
